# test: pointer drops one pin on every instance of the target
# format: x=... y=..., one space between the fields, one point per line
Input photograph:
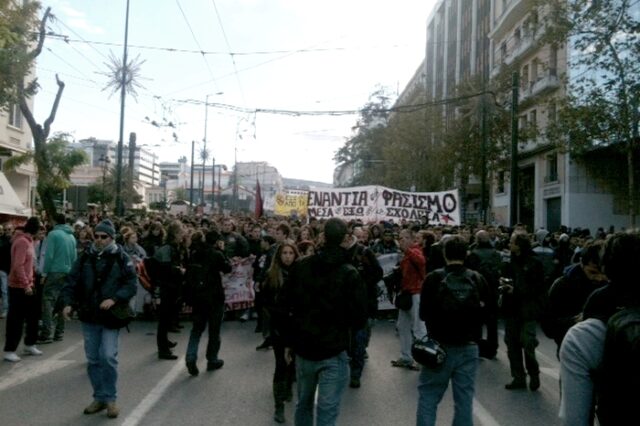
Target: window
x=552 y=112
x=524 y=83
x=517 y=37
x=500 y=182
x=552 y=168
x=522 y=122
x=533 y=119
x=553 y=61
x=15 y=116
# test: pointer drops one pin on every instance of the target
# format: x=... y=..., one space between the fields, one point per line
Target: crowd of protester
x=526 y=278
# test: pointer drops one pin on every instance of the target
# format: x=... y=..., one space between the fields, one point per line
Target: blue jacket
x=85 y=292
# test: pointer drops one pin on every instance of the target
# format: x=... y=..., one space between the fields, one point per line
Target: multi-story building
x=553 y=189
x=457 y=50
x=15 y=139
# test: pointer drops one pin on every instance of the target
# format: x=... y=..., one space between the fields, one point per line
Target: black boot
x=279 y=395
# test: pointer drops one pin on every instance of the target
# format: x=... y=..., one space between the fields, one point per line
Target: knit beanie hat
x=107 y=227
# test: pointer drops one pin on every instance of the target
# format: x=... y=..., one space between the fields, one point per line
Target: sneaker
x=516 y=384
x=403 y=363
x=95 y=407
x=32 y=350
x=215 y=365
x=12 y=357
x=58 y=337
x=44 y=340
x=354 y=383
x=192 y=368
x=112 y=410
x=534 y=382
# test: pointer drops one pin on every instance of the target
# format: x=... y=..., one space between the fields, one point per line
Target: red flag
x=259 y=203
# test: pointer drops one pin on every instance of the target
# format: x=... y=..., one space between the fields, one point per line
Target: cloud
x=78 y=20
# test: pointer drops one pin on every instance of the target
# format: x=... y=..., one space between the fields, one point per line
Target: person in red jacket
x=410 y=326
x=24 y=306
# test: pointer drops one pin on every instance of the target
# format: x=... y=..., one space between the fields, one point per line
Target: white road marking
x=23 y=372
x=154 y=395
x=481 y=413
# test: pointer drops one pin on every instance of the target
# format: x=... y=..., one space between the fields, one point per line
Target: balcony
x=545 y=84
x=514 y=11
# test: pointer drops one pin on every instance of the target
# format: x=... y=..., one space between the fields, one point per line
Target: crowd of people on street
x=317 y=284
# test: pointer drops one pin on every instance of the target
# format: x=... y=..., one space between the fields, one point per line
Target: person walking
x=522 y=304
x=276 y=279
x=451 y=304
x=24 y=307
x=410 y=326
x=58 y=259
x=323 y=300
x=103 y=276
x=206 y=263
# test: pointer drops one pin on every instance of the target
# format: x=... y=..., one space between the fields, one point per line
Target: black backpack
x=619 y=375
x=459 y=297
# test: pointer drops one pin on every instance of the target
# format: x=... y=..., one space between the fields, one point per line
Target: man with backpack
x=103 y=277
x=605 y=359
x=451 y=305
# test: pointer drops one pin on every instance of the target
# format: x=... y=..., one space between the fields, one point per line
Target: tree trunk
x=632 y=187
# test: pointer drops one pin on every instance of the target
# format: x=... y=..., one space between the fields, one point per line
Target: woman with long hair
x=277 y=275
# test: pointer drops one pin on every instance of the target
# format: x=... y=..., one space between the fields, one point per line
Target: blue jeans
x=330 y=377
x=204 y=316
x=4 y=292
x=460 y=367
x=101 y=350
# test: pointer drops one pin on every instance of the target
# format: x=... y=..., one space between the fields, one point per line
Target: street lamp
x=105 y=161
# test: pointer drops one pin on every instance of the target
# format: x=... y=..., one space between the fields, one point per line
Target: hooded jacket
x=22 y=267
x=413 y=266
x=61 y=250
x=323 y=299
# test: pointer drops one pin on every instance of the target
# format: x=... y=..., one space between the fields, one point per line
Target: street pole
x=219 y=192
x=204 y=150
x=213 y=181
x=123 y=94
x=484 y=142
x=193 y=148
x=513 y=216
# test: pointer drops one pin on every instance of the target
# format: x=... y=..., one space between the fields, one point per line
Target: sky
x=241 y=56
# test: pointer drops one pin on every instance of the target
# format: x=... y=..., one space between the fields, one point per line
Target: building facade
x=15 y=139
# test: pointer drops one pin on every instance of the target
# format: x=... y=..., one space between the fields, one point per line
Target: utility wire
x=204 y=57
x=233 y=59
x=399 y=108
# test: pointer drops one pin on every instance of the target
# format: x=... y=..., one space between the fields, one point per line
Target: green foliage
x=181 y=194
x=59 y=162
x=602 y=106
x=18 y=25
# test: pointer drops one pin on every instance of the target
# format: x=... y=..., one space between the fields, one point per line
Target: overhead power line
x=398 y=108
x=68 y=39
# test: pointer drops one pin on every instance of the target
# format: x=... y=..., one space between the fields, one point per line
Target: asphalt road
x=53 y=389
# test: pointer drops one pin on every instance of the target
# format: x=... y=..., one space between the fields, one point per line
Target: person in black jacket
x=371 y=272
x=206 y=263
x=101 y=277
x=276 y=278
x=324 y=299
x=457 y=327
x=522 y=306
x=169 y=274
